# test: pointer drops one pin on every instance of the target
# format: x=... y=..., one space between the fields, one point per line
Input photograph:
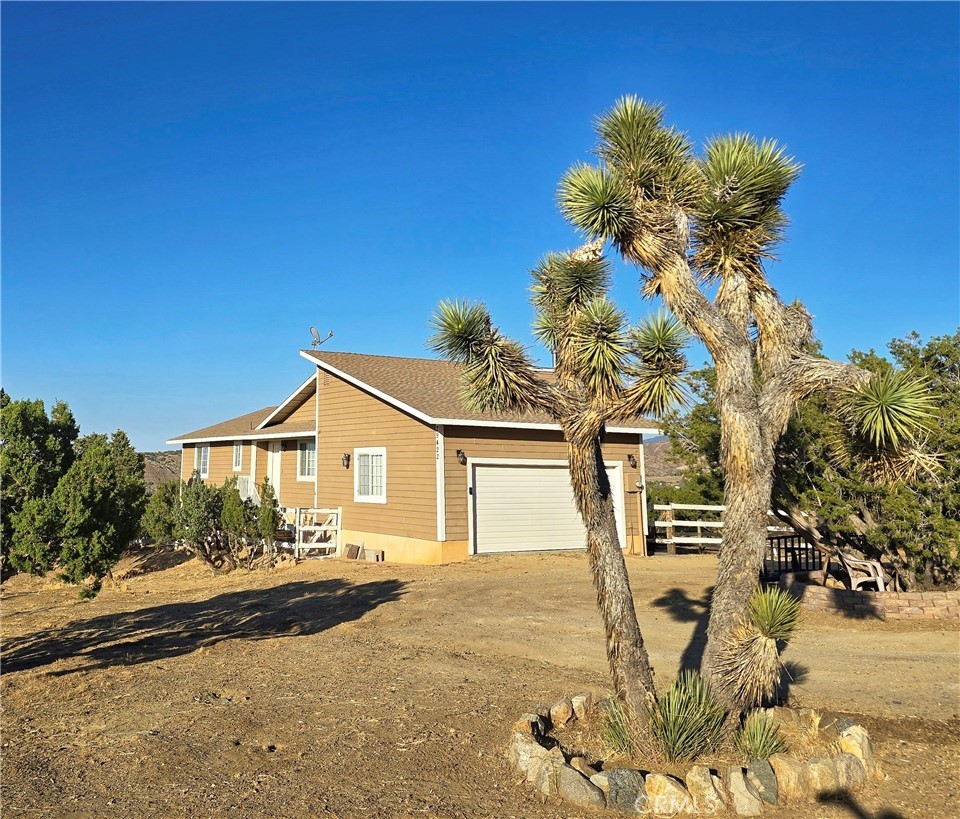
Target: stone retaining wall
x=541 y=761
x=942 y=605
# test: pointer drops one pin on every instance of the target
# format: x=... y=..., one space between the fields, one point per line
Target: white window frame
x=201 y=465
x=238 y=456
x=357 y=454
x=306 y=445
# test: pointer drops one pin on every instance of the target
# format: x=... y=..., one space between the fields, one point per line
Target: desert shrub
x=240 y=519
x=269 y=517
x=749 y=660
x=91 y=516
x=199 y=524
x=687 y=720
x=163 y=509
x=760 y=737
x=36 y=450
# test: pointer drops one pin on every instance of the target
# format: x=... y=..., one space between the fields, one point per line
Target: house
x=417 y=474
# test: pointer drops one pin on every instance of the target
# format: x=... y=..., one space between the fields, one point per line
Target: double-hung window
x=201 y=461
x=237 y=456
x=370 y=474
x=306 y=460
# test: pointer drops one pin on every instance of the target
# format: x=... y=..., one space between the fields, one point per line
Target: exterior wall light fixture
x=632 y=460
x=461 y=457
x=345 y=460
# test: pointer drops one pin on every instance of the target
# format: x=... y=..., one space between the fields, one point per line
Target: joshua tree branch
x=798 y=379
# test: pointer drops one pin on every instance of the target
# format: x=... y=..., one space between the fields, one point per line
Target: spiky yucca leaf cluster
x=498 y=375
x=687 y=720
x=774 y=612
x=615 y=728
x=600 y=347
x=596 y=202
x=658 y=383
x=760 y=737
x=738 y=218
x=749 y=660
x=891 y=408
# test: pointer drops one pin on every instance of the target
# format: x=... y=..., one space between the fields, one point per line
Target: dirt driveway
x=346 y=689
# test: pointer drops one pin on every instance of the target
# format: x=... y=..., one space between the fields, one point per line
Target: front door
x=273 y=467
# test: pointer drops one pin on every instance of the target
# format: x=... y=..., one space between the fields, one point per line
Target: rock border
x=539 y=758
x=889 y=605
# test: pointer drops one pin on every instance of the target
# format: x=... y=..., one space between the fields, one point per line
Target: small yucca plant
x=760 y=737
x=615 y=728
x=687 y=721
x=774 y=612
x=749 y=662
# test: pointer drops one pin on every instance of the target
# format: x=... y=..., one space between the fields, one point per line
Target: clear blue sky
x=188 y=187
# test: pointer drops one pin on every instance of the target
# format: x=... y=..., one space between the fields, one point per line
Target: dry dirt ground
x=350 y=689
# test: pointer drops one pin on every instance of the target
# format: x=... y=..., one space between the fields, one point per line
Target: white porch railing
x=248 y=489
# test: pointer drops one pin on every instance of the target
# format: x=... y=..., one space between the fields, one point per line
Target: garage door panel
x=525 y=508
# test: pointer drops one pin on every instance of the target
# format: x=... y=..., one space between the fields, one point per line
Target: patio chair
x=862 y=572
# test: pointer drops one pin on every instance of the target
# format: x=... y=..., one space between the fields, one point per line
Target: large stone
x=850 y=771
x=582 y=704
x=760 y=774
x=721 y=788
x=808 y=719
x=624 y=789
x=532 y=724
x=702 y=786
x=666 y=796
x=791 y=778
x=785 y=717
x=855 y=740
x=561 y=713
x=746 y=801
x=578 y=763
x=575 y=788
x=822 y=775
x=832 y=725
x=525 y=754
x=546 y=777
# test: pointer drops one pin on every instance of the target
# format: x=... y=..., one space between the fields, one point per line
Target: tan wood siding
x=477 y=442
x=351 y=418
x=293 y=492
x=305 y=412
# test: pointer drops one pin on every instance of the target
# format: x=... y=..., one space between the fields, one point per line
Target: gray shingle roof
x=430 y=386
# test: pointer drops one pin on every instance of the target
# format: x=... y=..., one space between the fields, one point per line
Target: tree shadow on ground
x=845 y=798
x=685 y=609
x=146 y=635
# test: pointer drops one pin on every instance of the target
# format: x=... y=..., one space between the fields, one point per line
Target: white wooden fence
x=314 y=529
x=681 y=528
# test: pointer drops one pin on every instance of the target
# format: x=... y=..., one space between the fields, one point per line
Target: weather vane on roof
x=317 y=341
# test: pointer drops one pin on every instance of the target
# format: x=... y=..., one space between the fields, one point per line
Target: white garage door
x=529 y=507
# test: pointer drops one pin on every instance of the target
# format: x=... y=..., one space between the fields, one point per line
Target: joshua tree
x=604 y=371
x=697 y=223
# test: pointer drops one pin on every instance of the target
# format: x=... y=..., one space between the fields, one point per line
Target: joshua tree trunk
x=626 y=653
x=758 y=388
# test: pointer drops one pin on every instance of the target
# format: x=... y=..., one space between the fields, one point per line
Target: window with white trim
x=201 y=460
x=370 y=474
x=306 y=460
x=237 y=456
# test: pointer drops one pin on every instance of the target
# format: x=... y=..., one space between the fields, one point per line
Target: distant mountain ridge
x=159 y=467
